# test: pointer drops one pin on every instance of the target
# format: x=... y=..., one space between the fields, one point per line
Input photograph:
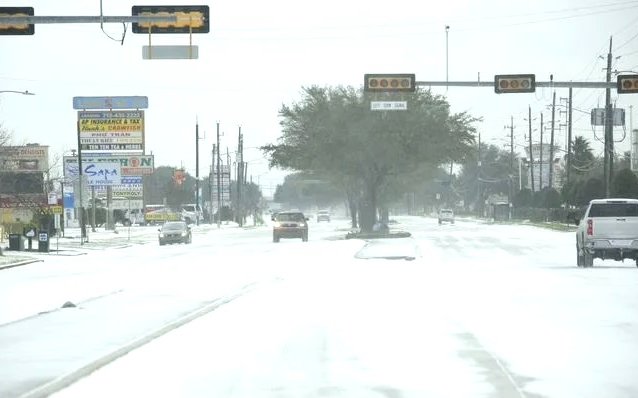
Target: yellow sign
x=118 y=124
x=55 y=209
x=168 y=216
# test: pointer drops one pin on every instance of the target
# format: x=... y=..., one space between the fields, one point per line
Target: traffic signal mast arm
x=538 y=84
x=15 y=20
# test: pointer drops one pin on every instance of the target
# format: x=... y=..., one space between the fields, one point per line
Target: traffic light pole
x=552 y=84
x=609 y=132
x=21 y=20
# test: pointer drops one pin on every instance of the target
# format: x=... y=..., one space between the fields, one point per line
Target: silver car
x=446 y=215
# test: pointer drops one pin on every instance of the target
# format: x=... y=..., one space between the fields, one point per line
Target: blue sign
x=110 y=102
x=68 y=200
x=102 y=173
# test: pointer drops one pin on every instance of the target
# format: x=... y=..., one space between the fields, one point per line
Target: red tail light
x=590 y=227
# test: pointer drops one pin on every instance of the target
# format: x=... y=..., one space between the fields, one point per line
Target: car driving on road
x=446 y=215
x=290 y=225
x=609 y=231
x=323 y=215
x=175 y=232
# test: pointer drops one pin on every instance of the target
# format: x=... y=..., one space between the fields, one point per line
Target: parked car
x=290 y=225
x=446 y=215
x=323 y=215
x=175 y=232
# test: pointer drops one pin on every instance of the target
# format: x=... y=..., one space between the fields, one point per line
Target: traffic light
x=190 y=19
x=389 y=82
x=514 y=84
x=16 y=28
x=627 y=84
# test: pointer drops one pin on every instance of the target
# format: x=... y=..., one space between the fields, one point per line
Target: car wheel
x=588 y=260
x=579 y=257
x=275 y=238
x=161 y=243
x=304 y=237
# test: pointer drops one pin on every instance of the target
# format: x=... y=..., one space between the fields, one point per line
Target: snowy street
x=482 y=311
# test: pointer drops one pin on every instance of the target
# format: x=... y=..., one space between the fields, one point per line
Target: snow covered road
x=482 y=311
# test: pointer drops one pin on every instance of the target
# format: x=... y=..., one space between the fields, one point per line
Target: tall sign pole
x=82 y=223
x=196 y=171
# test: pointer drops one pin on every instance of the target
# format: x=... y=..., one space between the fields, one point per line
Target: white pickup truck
x=609 y=231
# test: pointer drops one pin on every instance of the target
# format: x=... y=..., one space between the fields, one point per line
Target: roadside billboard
x=111 y=130
x=28 y=158
x=130 y=165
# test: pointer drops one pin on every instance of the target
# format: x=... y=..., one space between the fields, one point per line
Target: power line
x=629 y=40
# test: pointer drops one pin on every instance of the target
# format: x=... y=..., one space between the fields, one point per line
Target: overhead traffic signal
x=190 y=19
x=514 y=84
x=400 y=82
x=627 y=84
x=16 y=28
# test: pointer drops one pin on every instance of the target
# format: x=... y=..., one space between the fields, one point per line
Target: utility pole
x=531 y=152
x=551 y=144
x=479 y=199
x=240 y=176
x=196 y=170
x=228 y=163
x=510 y=193
x=540 y=160
x=219 y=184
x=569 y=137
x=210 y=183
x=609 y=130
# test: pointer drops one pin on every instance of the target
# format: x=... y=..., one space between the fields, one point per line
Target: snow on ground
x=481 y=310
x=485 y=310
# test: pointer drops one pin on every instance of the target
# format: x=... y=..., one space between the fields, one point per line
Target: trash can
x=16 y=242
x=43 y=242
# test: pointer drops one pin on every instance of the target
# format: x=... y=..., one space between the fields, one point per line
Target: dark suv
x=175 y=232
x=290 y=225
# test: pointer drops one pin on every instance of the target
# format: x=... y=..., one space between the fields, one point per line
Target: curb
x=68 y=379
x=20 y=263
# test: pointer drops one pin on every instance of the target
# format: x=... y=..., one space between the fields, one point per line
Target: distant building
x=23 y=171
x=541 y=167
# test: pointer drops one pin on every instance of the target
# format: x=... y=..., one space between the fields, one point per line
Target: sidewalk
x=101 y=239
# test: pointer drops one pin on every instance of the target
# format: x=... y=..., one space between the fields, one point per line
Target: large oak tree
x=332 y=131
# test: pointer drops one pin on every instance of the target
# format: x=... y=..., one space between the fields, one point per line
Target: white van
x=192 y=213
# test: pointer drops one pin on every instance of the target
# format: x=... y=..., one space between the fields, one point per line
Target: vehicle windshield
x=173 y=226
x=290 y=217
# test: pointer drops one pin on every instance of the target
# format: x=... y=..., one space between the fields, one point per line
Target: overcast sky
x=259 y=54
